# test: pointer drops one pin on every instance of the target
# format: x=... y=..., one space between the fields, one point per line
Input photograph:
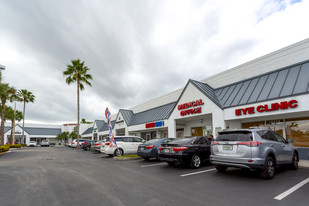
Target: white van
x=125 y=145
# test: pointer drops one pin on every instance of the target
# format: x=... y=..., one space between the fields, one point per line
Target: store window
x=247 y=125
x=298 y=130
x=179 y=133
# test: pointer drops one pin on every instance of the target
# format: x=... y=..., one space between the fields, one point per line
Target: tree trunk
x=2 y=124
x=78 y=114
x=13 y=124
x=23 y=139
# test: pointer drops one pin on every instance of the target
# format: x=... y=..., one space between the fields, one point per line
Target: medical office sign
x=192 y=107
x=267 y=108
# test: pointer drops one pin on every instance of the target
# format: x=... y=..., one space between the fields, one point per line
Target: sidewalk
x=303 y=163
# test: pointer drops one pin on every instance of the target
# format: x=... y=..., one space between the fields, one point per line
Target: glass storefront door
x=197 y=131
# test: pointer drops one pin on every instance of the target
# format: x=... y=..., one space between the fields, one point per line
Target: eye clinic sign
x=267 y=108
x=191 y=107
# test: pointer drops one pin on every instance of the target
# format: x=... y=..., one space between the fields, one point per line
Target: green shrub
x=4 y=148
x=24 y=145
x=14 y=145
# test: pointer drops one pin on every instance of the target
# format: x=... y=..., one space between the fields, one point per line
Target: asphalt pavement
x=65 y=176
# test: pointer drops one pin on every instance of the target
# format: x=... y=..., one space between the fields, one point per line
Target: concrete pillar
x=171 y=128
x=158 y=135
x=126 y=131
x=218 y=123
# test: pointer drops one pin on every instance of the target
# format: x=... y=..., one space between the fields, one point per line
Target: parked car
x=261 y=149
x=191 y=151
x=96 y=146
x=150 y=148
x=87 y=144
x=45 y=143
x=125 y=145
x=32 y=144
x=74 y=142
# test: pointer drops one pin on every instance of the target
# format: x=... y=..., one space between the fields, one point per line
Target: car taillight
x=150 y=146
x=107 y=143
x=84 y=143
x=160 y=148
x=178 y=149
x=73 y=142
x=98 y=144
x=214 y=143
x=250 y=143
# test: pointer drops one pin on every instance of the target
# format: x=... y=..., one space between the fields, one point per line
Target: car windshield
x=152 y=141
x=234 y=136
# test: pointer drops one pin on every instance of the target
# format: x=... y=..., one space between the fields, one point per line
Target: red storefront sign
x=185 y=107
x=267 y=108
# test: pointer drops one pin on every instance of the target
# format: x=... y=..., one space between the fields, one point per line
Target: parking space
x=94 y=178
x=238 y=185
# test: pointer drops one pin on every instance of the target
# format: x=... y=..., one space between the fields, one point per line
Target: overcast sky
x=136 y=50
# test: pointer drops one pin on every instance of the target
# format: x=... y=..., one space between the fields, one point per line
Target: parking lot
x=66 y=176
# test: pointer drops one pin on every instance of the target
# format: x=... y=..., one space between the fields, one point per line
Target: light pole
x=1 y=68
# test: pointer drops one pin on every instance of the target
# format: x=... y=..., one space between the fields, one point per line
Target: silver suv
x=261 y=149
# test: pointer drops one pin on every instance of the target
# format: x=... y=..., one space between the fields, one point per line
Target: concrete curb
x=2 y=153
x=126 y=158
x=303 y=163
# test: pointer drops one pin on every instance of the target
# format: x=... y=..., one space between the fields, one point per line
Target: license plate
x=227 y=147
x=166 y=150
x=142 y=148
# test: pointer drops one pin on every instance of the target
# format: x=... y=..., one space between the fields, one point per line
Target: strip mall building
x=271 y=91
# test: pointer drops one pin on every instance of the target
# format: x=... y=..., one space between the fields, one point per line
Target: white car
x=32 y=144
x=125 y=145
x=45 y=143
x=74 y=142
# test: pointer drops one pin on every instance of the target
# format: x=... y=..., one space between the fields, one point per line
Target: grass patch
x=127 y=156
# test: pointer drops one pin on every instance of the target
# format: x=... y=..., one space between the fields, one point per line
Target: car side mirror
x=290 y=141
x=143 y=141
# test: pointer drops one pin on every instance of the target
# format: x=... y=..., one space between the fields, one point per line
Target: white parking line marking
x=153 y=165
x=194 y=173
x=291 y=190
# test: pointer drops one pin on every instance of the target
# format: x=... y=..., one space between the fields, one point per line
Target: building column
x=126 y=131
x=218 y=123
x=158 y=134
x=171 y=128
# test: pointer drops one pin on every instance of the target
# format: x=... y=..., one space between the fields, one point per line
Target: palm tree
x=12 y=114
x=63 y=136
x=77 y=72
x=16 y=115
x=5 y=93
x=26 y=97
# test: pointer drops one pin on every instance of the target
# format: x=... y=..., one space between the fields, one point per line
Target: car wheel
x=157 y=157
x=294 y=165
x=195 y=161
x=220 y=168
x=118 y=152
x=171 y=163
x=269 y=168
x=146 y=158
